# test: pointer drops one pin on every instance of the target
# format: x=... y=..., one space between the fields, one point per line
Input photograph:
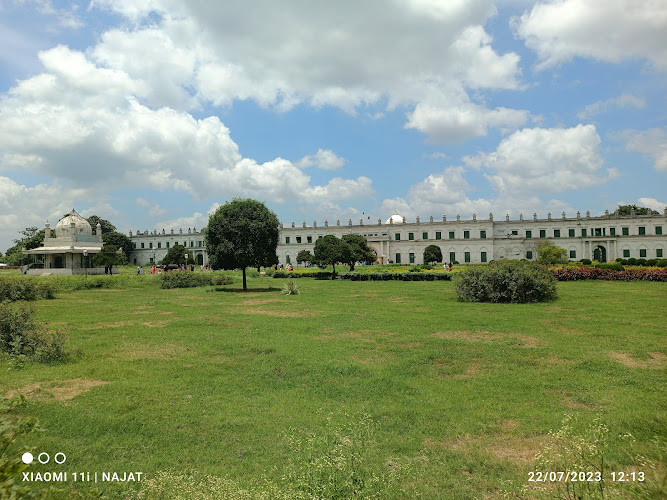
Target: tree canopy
x=626 y=210
x=242 y=233
x=330 y=251
x=432 y=253
x=175 y=255
x=304 y=256
x=107 y=227
x=359 y=251
x=119 y=240
x=551 y=255
x=110 y=255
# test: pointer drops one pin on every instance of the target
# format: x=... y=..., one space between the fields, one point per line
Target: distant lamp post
x=85 y=262
x=186 y=261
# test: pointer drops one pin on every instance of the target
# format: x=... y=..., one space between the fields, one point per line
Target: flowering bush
x=596 y=273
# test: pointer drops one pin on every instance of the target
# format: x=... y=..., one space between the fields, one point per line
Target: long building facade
x=602 y=238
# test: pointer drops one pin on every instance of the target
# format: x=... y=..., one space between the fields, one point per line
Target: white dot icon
x=27 y=458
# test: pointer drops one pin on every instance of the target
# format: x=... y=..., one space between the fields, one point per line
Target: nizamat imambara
x=602 y=238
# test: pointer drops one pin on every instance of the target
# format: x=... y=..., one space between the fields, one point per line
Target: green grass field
x=392 y=389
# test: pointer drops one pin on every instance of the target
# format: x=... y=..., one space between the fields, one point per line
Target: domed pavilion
x=72 y=249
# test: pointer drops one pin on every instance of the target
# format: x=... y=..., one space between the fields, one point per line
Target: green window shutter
x=167 y=244
x=483 y=257
x=556 y=233
x=543 y=233
x=467 y=256
x=529 y=235
x=625 y=231
x=570 y=233
x=452 y=257
x=451 y=235
x=286 y=240
x=626 y=253
x=482 y=235
x=583 y=233
x=412 y=257
x=398 y=258
x=438 y=235
x=309 y=239
x=287 y=259
x=642 y=230
x=159 y=244
x=466 y=235
x=658 y=229
x=411 y=236
x=142 y=245
x=424 y=236
x=612 y=231
x=150 y=245
x=642 y=252
x=529 y=255
x=658 y=252
x=573 y=254
x=298 y=239
x=397 y=236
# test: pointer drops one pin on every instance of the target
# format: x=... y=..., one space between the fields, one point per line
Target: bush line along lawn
x=461 y=396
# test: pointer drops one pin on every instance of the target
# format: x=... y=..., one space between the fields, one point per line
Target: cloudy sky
x=150 y=113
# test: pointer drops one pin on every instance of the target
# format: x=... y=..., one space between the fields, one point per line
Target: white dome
x=395 y=219
x=81 y=225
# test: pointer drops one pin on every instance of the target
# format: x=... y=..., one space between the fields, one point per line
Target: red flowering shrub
x=595 y=273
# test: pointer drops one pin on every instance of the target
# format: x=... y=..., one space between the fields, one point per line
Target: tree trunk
x=245 y=287
x=351 y=266
x=334 y=270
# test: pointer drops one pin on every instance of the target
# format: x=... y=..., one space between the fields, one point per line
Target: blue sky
x=151 y=113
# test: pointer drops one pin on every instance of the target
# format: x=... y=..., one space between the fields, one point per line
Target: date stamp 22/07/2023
x=583 y=476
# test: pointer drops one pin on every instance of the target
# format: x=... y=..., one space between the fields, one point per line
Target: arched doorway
x=600 y=253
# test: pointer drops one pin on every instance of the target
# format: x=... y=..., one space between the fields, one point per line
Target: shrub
x=621 y=261
x=415 y=269
x=184 y=279
x=23 y=288
x=506 y=281
x=641 y=262
x=11 y=427
x=21 y=337
x=303 y=274
x=632 y=261
x=390 y=276
x=652 y=262
x=595 y=273
x=610 y=265
x=586 y=262
x=662 y=263
x=291 y=288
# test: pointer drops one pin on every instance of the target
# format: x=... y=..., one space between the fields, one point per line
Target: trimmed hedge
x=506 y=281
x=611 y=265
x=184 y=279
x=303 y=274
x=408 y=276
x=596 y=273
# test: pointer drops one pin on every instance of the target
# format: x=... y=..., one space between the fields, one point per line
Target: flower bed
x=596 y=273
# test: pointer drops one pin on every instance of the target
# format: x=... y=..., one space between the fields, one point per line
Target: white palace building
x=602 y=238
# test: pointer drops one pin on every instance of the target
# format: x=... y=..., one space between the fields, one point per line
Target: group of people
x=448 y=267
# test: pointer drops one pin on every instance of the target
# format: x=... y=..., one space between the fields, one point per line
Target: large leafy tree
x=175 y=255
x=432 y=253
x=626 y=210
x=330 y=251
x=110 y=255
x=304 y=256
x=107 y=227
x=119 y=240
x=552 y=255
x=32 y=238
x=242 y=233
x=358 y=249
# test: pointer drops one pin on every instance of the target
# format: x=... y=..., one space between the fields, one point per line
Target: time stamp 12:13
x=583 y=476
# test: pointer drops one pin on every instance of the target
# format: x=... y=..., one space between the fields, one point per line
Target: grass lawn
x=394 y=388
